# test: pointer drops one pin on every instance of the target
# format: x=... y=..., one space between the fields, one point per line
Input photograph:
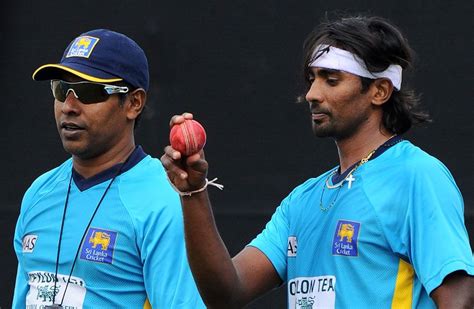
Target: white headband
x=338 y=59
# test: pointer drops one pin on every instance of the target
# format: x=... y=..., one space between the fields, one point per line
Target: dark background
x=235 y=65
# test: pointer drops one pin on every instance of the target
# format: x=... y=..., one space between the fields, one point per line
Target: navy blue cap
x=102 y=56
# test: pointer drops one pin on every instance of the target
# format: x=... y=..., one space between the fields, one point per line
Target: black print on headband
x=321 y=52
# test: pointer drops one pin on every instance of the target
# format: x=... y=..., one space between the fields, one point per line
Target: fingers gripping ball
x=188 y=137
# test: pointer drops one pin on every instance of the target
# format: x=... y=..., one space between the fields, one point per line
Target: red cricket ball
x=188 y=137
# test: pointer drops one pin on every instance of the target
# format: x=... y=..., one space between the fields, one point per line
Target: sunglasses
x=84 y=91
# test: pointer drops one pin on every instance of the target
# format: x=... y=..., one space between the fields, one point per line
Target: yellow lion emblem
x=100 y=238
x=346 y=230
x=84 y=42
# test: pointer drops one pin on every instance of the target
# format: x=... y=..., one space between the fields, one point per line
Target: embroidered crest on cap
x=99 y=246
x=345 y=238
x=82 y=47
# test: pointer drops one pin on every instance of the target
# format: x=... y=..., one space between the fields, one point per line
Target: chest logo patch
x=43 y=290
x=345 y=238
x=99 y=246
x=312 y=292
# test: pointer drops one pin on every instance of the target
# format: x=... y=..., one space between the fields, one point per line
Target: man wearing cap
x=104 y=229
x=384 y=229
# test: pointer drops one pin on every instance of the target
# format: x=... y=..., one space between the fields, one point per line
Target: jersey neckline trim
x=85 y=183
x=336 y=178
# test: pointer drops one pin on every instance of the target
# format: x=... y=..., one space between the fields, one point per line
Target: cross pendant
x=350 y=179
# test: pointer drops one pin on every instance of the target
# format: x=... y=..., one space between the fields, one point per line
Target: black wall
x=235 y=65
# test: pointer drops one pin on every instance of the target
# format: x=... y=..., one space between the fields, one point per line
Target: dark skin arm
x=456 y=291
x=231 y=283
x=223 y=282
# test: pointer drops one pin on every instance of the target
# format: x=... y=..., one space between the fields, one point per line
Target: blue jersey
x=133 y=254
x=385 y=239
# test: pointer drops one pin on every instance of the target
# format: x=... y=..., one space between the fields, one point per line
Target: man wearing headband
x=104 y=229
x=384 y=229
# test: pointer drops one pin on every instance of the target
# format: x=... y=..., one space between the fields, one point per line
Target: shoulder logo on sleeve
x=29 y=243
x=345 y=238
x=82 y=46
x=292 y=246
x=99 y=246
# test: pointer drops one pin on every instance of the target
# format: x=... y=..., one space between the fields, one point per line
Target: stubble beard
x=80 y=149
x=336 y=130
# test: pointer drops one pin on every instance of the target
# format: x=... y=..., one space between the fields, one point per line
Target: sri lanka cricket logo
x=99 y=245
x=345 y=238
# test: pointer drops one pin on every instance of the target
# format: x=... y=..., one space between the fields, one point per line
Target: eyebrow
x=326 y=72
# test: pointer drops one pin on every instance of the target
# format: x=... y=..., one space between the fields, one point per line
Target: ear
x=136 y=103
x=381 y=91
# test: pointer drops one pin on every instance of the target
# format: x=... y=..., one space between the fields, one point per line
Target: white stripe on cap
x=338 y=59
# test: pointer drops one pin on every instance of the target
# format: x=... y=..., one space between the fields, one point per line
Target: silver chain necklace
x=340 y=183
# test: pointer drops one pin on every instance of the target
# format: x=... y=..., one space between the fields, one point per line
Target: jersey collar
x=384 y=147
x=85 y=183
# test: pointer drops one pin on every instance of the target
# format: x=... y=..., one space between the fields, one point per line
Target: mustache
x=316 y=110
x=71 y=124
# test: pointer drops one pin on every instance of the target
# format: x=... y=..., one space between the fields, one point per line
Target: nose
x=71 y=104
x=314 y=94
